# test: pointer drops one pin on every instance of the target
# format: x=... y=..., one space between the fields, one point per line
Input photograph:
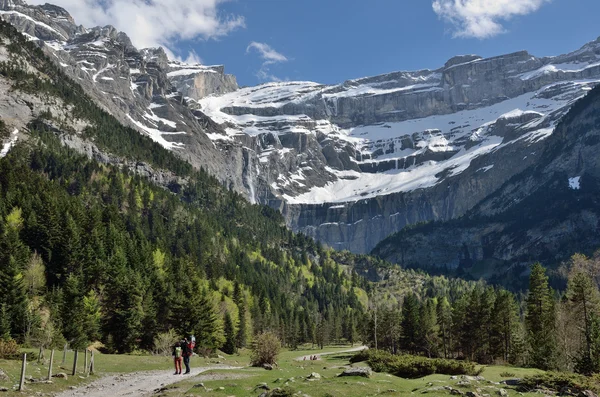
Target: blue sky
x=330 y=41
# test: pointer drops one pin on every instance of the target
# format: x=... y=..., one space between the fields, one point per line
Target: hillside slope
x=106 y=235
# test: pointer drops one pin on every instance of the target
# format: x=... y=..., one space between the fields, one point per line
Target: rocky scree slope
x=348 y=164
x=547 y=212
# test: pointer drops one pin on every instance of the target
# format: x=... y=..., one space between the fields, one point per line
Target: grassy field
x=291 y=373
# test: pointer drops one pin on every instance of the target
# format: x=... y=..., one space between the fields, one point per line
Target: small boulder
x=60 y=375
x=364 y=372
x=313 y=376
x=587 y=393
x=471 y=394
x=511 y=382
x=504 y=393
x=3 y=376
x=220 y=388
x=456 y=392
x=3 y=389
x=435 y=389
x=268 y=367
x=262 y=386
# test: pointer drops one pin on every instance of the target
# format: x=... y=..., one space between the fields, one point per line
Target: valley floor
x=230 y=376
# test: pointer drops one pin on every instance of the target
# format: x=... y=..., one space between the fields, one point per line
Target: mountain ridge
x=348 y=164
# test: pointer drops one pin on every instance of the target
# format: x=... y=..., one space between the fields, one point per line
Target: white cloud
x=268 y=54
x=482 y=18
x=153 y=23
x=269 y=57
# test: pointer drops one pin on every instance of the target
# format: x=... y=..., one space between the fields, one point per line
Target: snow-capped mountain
x=406 y=147
x=348 y=164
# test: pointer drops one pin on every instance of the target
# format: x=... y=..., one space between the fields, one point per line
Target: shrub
x=265 y=349
x=282 y=392
x=163 y=343
x=507 y=374
x=9 y=350
x=560 y=381
x=407 y=366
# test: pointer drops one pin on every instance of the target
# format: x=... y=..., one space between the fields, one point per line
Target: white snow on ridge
x=8 y=145
x=188 y=72
x=555 y=68
x=45 y=26
x=371 y=185
x=385 y=141
x=157 y=135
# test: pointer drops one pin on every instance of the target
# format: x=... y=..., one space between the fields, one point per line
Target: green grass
x=243 y=382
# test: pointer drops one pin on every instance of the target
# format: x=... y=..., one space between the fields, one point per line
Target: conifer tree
x=228 y=329
x=429 y=328
x=444 y=317
x=505 y=323
x=540 y=320
x=241 y=337
x=410 y=323
x=584 y=300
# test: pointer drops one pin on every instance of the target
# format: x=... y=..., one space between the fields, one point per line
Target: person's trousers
x=177 y=365
x=186 y=362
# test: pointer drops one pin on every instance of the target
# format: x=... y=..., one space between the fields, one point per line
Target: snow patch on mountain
x=575 y=183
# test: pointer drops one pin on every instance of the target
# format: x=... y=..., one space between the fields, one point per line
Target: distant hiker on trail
x=188 y=350
x=177 y=357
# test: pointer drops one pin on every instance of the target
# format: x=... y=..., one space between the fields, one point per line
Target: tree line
x=546 y=329
x=91 y=252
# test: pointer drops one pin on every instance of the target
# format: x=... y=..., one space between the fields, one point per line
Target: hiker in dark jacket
x=187 y=353
x=177 y=356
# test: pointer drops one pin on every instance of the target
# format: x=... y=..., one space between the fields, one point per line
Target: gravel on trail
x=135 y=384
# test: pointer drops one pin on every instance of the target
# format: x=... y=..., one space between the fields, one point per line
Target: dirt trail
x=354 y=349
x=136 y=384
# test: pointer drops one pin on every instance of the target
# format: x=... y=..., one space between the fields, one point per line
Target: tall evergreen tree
x=505 y=323
x=540 y=320
x=229 y=330
x=410 y=323
x=241 y=337
x=584 y=299
x=444 y=317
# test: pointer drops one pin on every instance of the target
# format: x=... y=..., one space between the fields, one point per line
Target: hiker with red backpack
x=188 y=351
x=177 y=357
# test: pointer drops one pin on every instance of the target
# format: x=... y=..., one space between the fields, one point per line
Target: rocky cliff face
x=406 y=147
x=546 y=213
x=348 y=164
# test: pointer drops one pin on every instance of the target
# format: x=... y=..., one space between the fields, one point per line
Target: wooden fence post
x=23 y=367
x=85 y=363
x=92 y=363
x=65 y=354
x=75 y=362
x=50 y=366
